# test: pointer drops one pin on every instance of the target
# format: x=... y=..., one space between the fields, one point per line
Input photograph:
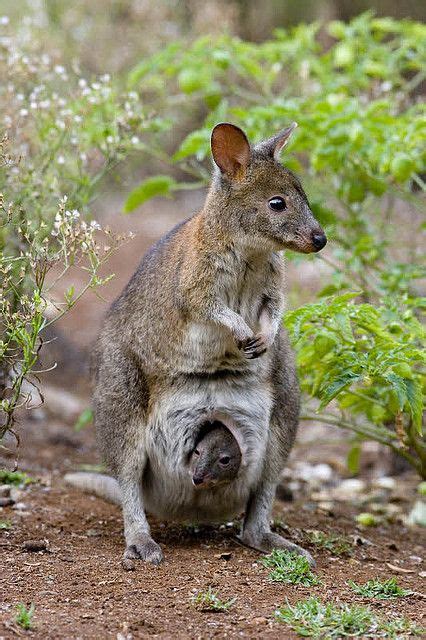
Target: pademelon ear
x=273 y=146
x=230 y=149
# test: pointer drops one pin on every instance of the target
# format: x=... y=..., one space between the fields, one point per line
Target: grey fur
x=182 y=344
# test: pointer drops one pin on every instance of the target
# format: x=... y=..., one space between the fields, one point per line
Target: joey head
x=216 y=458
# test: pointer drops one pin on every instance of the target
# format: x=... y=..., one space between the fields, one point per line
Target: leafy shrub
x=379 y=589
x=360 y=148
x=289 y=567
x=210 y=601
x=24 y=615
x=63 y=134
x=313 y=619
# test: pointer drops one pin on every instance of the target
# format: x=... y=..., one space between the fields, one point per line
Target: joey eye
x=224 y=460
x=277 y=203
x=197 y=453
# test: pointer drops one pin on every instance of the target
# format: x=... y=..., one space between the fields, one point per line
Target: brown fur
x=196 y=337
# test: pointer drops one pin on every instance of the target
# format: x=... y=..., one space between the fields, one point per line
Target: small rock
x=6 y=501
x=359 y=541
x=325 y=507
x=226 y=555
x=417 y=514
x=422 y=574
x=347 y=489
x=128 y=564
x=16 y=494
x=415 y=559
x=93 y=533
x=20 y=506
x=386 y=482
x=35 y=545
x=258 y=620
x=4 y=490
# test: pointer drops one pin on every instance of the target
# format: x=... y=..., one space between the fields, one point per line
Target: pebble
x=20 y=506
x=347 y=488
x=418 y=514
x=385 y=482
x=4 y=490
x=35 y=545
x=6 y=501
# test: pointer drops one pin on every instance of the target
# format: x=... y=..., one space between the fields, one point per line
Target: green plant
x=367 y=519
x=5 y=525
x=290 y=568
x=24 y=615
x=313 y=619
x=337 y=545
x=378 y=589
x=63 y=134
x=370 y=360
x=16 y=478
x=210 y=601
x=360 y=150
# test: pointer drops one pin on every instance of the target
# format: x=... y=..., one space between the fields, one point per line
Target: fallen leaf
x=399 y=569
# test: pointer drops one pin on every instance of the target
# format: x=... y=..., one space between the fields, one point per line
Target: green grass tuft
x=337 y=545
x=5 y=524
x=210 y=601
x=17 y=478
x=289 y=567
x=377 y=589
x=312 y=619
x=24 y=616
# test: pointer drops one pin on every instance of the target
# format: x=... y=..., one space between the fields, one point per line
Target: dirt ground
x=77 y=583
x=80 y=589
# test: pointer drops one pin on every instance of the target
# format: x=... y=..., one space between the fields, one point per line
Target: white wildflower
x=61 y=160
x=59 y=69
x=82 y=83
x=23 y=112
x=4 y=20
x=134 y=140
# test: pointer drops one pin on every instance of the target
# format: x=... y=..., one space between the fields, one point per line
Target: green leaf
x=149 y=188
x=340 y=383
x=398 y=385
x=85 y=418
x=354 y=458
x=197 y=143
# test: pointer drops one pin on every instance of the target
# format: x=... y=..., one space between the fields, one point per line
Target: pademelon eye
x=197 y=453
x=277 y=203
x=224 y=459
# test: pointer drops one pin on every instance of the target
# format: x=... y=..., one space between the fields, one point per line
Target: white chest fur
x=242 y=405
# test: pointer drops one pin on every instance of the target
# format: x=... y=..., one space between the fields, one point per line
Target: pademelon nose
x=197 y=480
x=319 y=240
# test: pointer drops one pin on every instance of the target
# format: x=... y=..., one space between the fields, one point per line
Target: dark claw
x=255 y=354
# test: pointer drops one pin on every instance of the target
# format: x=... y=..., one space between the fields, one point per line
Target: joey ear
x=273 y=146
x=230 y=149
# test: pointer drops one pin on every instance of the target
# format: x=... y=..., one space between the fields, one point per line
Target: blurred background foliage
x=104 y=88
